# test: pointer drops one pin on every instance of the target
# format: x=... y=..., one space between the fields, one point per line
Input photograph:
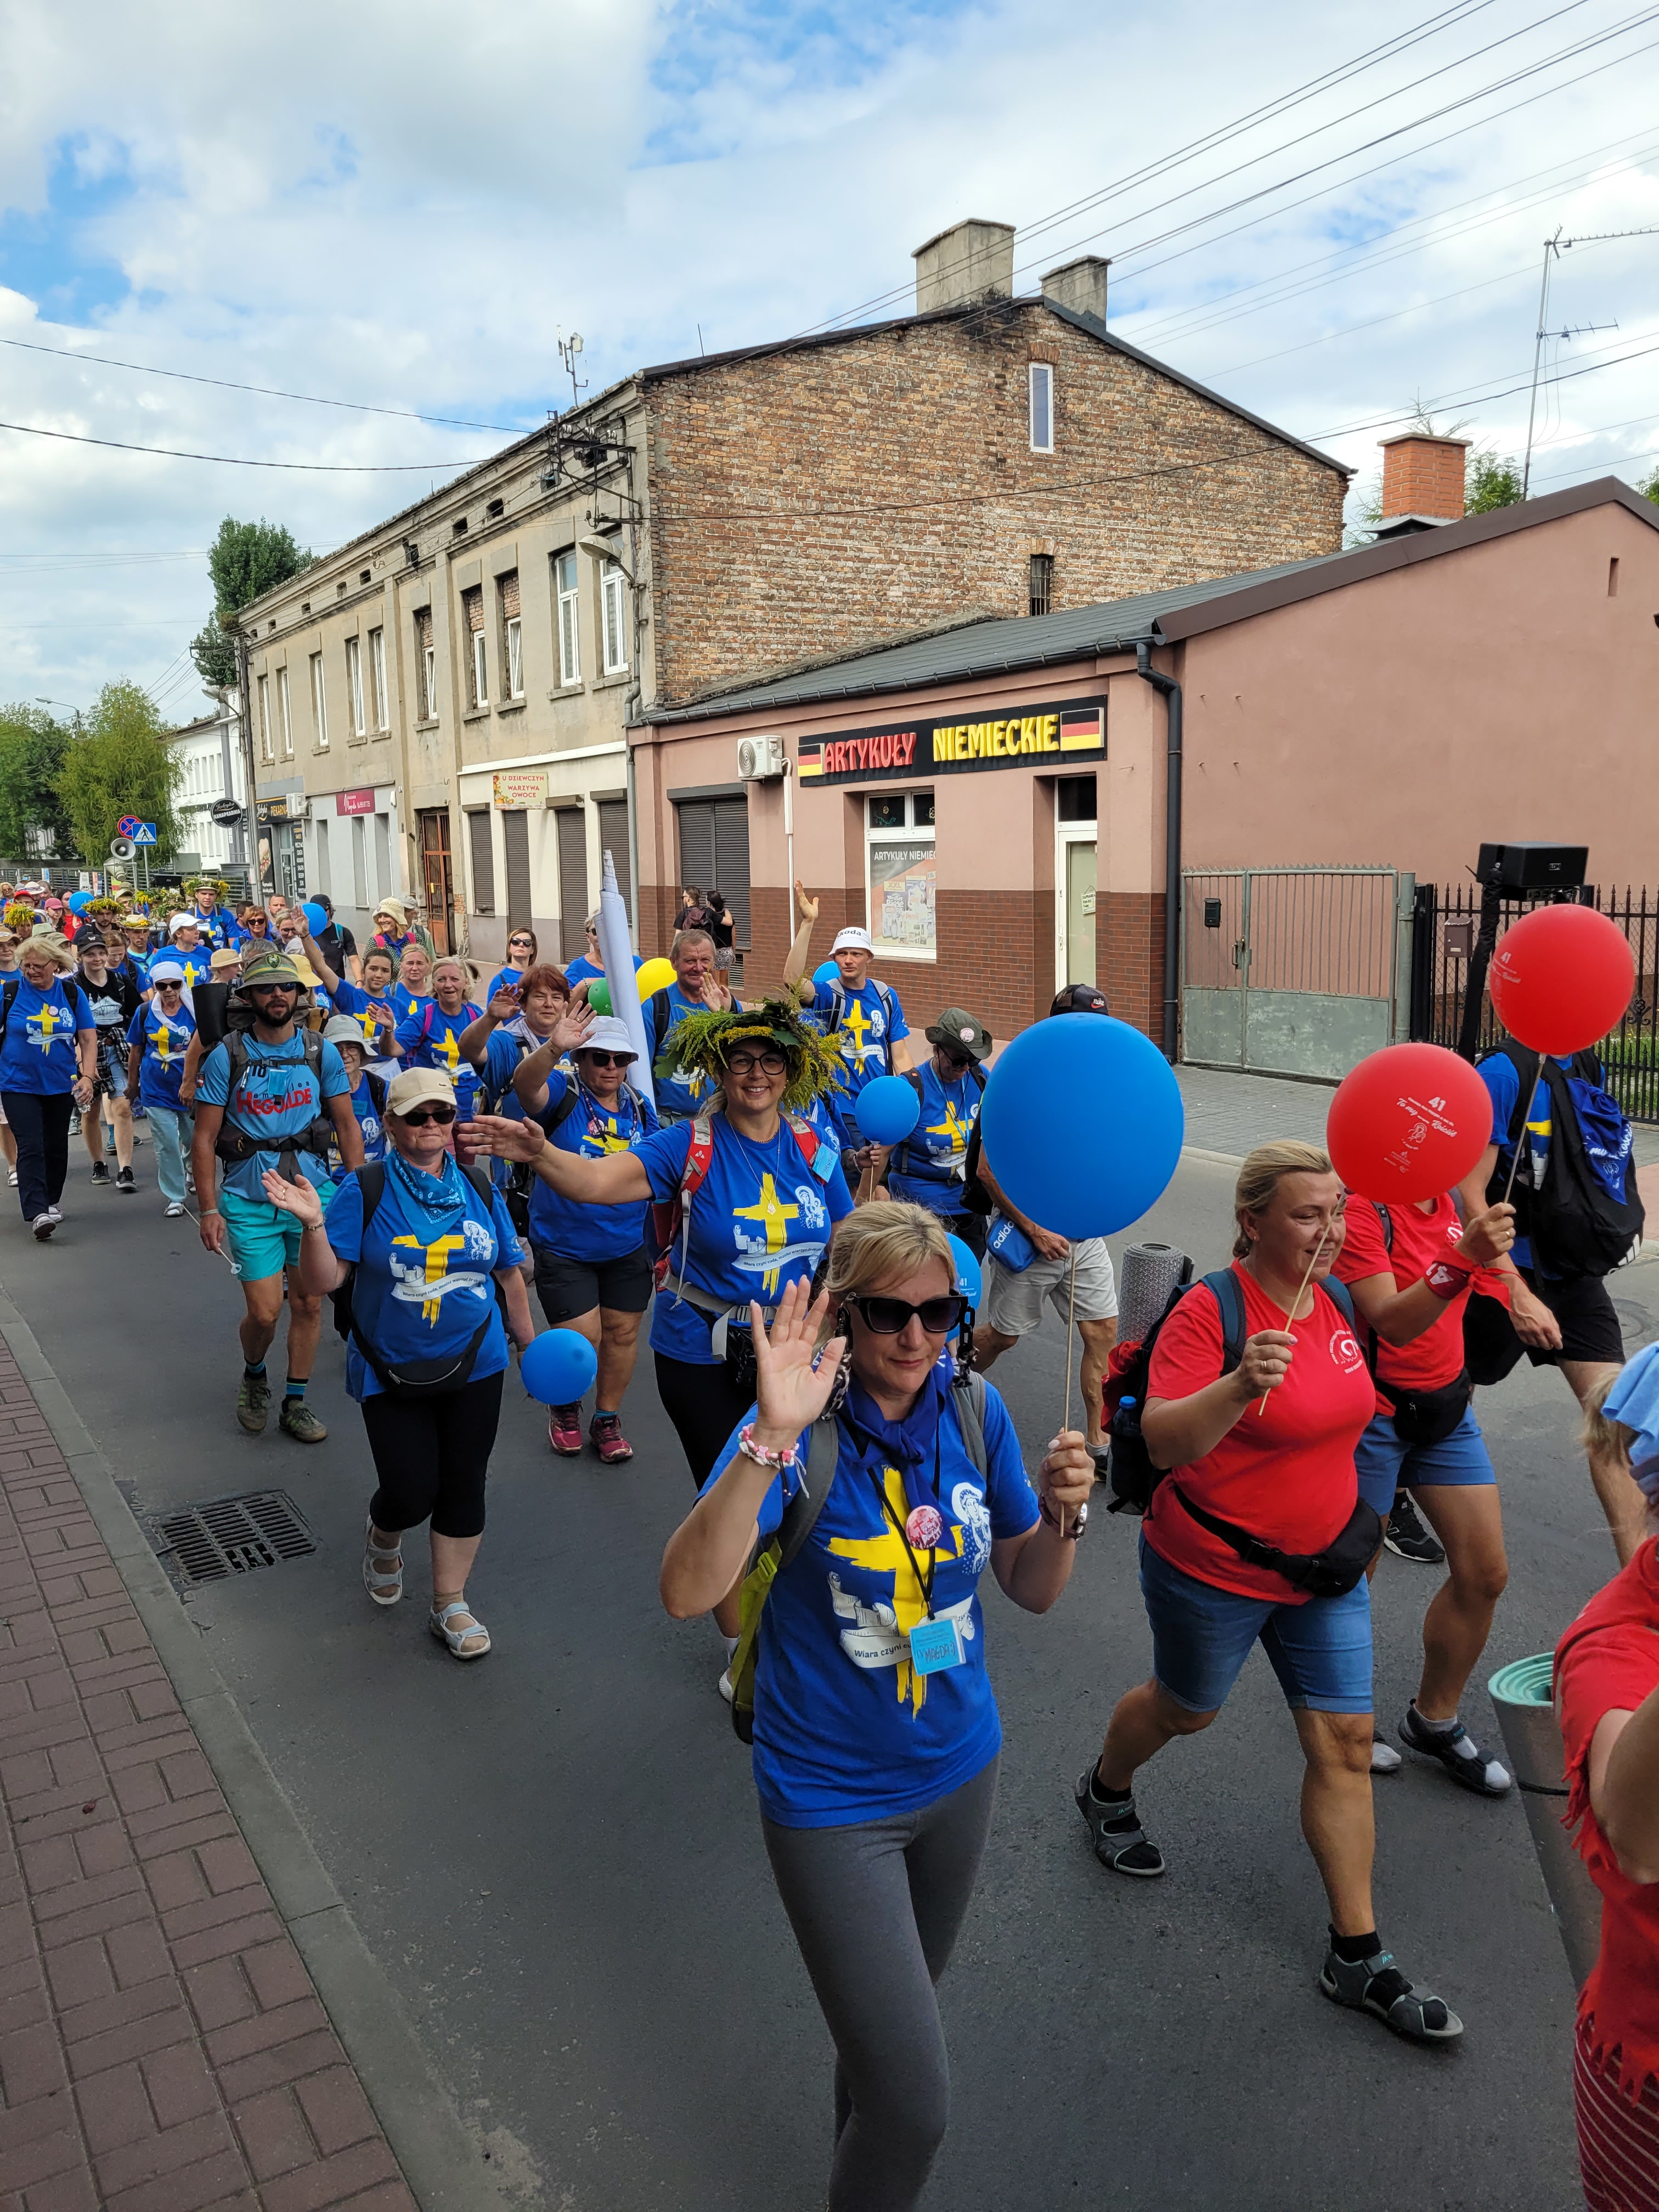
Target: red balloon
x=1409 y=1122
x=1562 y=977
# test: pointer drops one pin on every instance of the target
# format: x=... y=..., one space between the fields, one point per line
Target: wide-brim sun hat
x=223 y=960
x=959 y=1028
x=340 y=1029
x=418 y=1087
x=394 y=906
x=273 y=967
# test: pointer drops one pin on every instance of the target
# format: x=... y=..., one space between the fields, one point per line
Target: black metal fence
x=1443 y=937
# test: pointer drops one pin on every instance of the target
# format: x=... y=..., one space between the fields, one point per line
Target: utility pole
x=1552 y=247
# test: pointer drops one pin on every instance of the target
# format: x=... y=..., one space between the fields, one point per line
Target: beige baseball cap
x=417 y=1086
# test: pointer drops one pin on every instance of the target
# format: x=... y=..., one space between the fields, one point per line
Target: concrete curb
x=1213 y=1159
x=442 y=2164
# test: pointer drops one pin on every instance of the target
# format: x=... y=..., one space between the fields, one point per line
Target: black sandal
x=1120 y=1841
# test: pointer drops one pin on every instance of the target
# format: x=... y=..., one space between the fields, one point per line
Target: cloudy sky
x=403 y=207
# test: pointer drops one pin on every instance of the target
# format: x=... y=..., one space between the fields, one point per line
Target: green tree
x=32 y=748
x=1649 y=490
x=120 y=763
x=245 y=559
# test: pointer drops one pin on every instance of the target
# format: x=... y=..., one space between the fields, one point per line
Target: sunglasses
x=442 y=1115
x=745 y=1063
x=957 y=1059
x=888 y=1317
x=524 y=945
x=609 y=1059
x=265 y=990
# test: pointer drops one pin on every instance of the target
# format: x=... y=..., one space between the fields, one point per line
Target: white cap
x=184 y=921
x=608 y=1033
x=853 y=940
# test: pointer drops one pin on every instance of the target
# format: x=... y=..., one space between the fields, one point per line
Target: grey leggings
x=876 y=1909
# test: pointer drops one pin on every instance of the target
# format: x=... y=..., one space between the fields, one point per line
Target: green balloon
x=599 y=995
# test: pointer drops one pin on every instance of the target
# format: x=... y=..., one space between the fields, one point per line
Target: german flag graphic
x=808 y=762
x=1080 y=732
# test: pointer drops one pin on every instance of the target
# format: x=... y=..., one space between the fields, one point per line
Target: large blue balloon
x=1082 y=1124
x=886 y=1110
x=78 y=901
x=559 y=1367
x=826 y=972
x=968 y=1279
x=316 y=917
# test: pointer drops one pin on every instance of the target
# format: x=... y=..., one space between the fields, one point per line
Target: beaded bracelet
x=759 y=1454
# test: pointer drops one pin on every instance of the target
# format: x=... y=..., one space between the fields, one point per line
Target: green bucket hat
x=273 y=967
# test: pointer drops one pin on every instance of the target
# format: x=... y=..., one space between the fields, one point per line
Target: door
x=574 y=909
x=1074 y=906
x=436 y=882
x=613 y=839
x=714 y=855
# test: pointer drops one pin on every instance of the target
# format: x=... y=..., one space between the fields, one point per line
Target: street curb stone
x=442 y=2163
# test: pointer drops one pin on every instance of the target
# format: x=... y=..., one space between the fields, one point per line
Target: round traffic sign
x=128 y=826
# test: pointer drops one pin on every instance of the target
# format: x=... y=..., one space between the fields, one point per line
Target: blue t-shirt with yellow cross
x=425 y=1274
x=866 y=1035
x=761 y=1220
x=591 y=1131
x=198 y=962
x=846 y=1730
x=351 y=999
x=165 y=1039
x=429 y=1037
x=40 y=1053
x=927 y=1167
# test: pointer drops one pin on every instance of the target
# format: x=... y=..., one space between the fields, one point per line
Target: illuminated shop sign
x=1073 y=729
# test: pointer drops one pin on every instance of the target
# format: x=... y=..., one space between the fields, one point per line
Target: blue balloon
x=78 y=901
x=317 y=921
x=969 y=1282
x=826 y=972
x=886 y=1110
x=1114 y=1091
x=559 y=1367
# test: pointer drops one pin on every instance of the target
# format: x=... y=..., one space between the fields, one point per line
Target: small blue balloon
x=316 y=917
x=826 y=972
x=970 y=1283
x=559 y=1367
x=78 y=901
x=1085 y=1072
x=886 y=1110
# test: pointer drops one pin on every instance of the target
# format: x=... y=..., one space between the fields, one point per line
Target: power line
x=235 y=461
x=1463 y=292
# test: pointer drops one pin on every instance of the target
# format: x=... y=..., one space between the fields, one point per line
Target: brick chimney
x=972 y=260
x=1422 y=481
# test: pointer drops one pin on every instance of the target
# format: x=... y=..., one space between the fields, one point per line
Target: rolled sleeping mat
x=1523 y=1695
x=1146 y=1275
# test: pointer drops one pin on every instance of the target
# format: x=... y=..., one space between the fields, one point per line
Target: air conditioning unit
x=299 y=805
x=760 y=759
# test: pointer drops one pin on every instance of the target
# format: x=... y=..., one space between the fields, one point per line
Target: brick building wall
x=923 y=417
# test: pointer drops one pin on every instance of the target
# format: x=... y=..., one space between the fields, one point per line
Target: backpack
x=232 y=1144
x=1129 y=1469
x=370 y=1181
x=925 y=1169
x=799 y=1518
x=1587 y=1212
x=668 y=1221
x=77 y=1005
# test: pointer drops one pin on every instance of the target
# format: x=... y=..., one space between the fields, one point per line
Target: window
x=354 y=652
x=612 y=589
x=426 y=655
x=899 y=873
x=1043 y=583
x=570 y=661
x=319 y=705
x=322 y=870
x=359 y=867
x=377 y=677
x=384 y=881
x=1042 y=407
x=481 y=835
x=1076 y=796
x=284 y=715
x=264 y=720
x=477 y=665
x=506 y=588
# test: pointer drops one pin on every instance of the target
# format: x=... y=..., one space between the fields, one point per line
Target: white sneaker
x=727 y=1690
x=54 y=1215
x=12 y=1178
x=43 y=1225
x=174 y=1210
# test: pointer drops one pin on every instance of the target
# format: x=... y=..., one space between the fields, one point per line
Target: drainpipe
x=1171 y=691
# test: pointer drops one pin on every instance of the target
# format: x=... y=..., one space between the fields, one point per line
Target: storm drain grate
x=234 y=1535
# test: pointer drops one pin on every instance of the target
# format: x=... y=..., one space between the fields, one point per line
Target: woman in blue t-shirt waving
x=876 y=1732
x=48 y=1058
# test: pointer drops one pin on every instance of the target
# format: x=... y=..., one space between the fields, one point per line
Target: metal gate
x=1293 y=971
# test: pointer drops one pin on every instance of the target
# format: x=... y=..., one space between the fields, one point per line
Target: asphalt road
x=557 y=1858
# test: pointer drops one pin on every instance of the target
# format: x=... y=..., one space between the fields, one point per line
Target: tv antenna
x=1554 y=248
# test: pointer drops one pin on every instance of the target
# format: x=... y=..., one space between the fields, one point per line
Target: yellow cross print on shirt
x=451 y=1051
x=43 y=1024
x=437 y=1265
x=162 y=1041
x=854 y=1022
x=889 y=1554
x=776 y=1218
x=952 y=1126
x=612 y=1139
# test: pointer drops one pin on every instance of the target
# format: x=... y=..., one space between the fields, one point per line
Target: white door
x=1074 y=905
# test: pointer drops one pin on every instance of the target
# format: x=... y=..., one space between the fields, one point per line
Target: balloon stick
x=1289 y=1317
x=1070 y=1310
x=1537 y=1070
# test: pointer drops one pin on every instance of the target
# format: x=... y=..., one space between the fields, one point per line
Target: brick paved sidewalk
x=161 y=2046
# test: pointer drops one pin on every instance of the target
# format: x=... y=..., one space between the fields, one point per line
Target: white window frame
x=284 y=715
x=319 y=706
x=266 y=747
x=429 y=672
x=353 y=661
x=480 y=670
x=377 y=677
x=568 y=583
x=922 y=838
x=614 y=623
x=1039 y=405
x=515 y=657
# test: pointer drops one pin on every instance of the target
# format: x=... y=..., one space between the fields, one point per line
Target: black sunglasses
x=259 y=990
x=888 y=1317
x=957 y=1059
x=513 y=943
x=442 y=1115
x=607 y=1058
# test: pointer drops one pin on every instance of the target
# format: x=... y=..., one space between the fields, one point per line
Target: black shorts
x=567 y=1287
x=1589 y=1327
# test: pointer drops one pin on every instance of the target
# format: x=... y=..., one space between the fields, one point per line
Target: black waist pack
x=426 y=1379
x=1428 y=1417
x=1330 y=1573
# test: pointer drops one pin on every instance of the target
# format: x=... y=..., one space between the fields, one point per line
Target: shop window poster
x=902 y=897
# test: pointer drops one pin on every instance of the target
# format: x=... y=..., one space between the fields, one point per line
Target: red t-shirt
x=1286 y=1475
x=1436 y=1357
x=1607 y=1662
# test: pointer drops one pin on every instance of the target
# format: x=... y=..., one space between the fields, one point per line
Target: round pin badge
x=924 y=1528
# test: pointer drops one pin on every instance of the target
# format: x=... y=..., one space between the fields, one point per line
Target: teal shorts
x=263 y=1241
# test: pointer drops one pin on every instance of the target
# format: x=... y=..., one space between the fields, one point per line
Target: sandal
x=458 y=1638
x=1376 y=1986
x=386 y=1589
x=1120 y=1841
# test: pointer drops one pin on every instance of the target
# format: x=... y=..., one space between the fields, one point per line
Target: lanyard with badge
x=935 y=1644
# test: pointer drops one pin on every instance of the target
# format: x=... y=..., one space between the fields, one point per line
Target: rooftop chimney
x=970 y=261
x=1422 y=482
x=1079 y=285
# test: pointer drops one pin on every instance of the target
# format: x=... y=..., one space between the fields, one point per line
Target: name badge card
x=935 y=1645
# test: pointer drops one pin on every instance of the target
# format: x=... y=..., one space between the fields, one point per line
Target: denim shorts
x=1383 y=1463
x=1201 y=1637
x=262 y=1241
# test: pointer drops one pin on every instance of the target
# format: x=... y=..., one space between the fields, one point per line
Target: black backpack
x=1576 y=1224
x=72 y=992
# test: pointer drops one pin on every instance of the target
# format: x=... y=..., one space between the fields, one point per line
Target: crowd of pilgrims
x=379 y=1127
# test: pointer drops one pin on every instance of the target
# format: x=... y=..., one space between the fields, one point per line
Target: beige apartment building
x=442 y=708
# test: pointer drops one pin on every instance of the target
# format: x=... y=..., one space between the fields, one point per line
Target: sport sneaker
x=1376 y=1986
x=297 y=1420
x=123 y=1181
x=606 y=1432
x=1406 y=1536
x=54 y=1215
x=564 y=1431
x=100 y=1172
x=43 y=1225
x=1120 y=1841
x=253 y=1404
x=1457 y=1751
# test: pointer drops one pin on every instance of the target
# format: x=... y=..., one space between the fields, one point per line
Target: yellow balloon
x=655 y=976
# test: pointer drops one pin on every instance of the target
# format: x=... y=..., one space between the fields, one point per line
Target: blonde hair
x=1259 y=1178
x=883 y=1243
x=469 y=973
